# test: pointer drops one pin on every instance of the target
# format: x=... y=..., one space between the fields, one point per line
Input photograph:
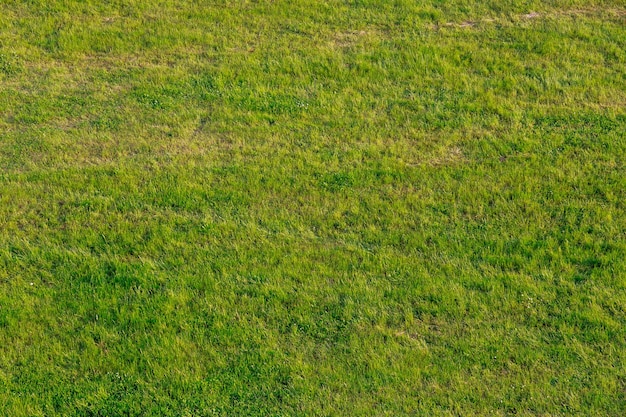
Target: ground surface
x=312 y=208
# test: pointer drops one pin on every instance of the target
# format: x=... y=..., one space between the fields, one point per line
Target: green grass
x=310 y=208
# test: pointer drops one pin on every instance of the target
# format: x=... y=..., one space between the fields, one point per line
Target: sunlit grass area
x=307 y=208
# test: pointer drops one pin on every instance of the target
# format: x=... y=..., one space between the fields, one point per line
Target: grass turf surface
x=312 y=208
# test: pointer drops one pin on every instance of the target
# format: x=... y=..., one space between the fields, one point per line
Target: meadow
x=312 y=208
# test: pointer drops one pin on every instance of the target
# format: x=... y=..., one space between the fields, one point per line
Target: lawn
x=312 y=208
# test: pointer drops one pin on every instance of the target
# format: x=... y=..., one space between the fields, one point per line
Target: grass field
x=312 y=208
